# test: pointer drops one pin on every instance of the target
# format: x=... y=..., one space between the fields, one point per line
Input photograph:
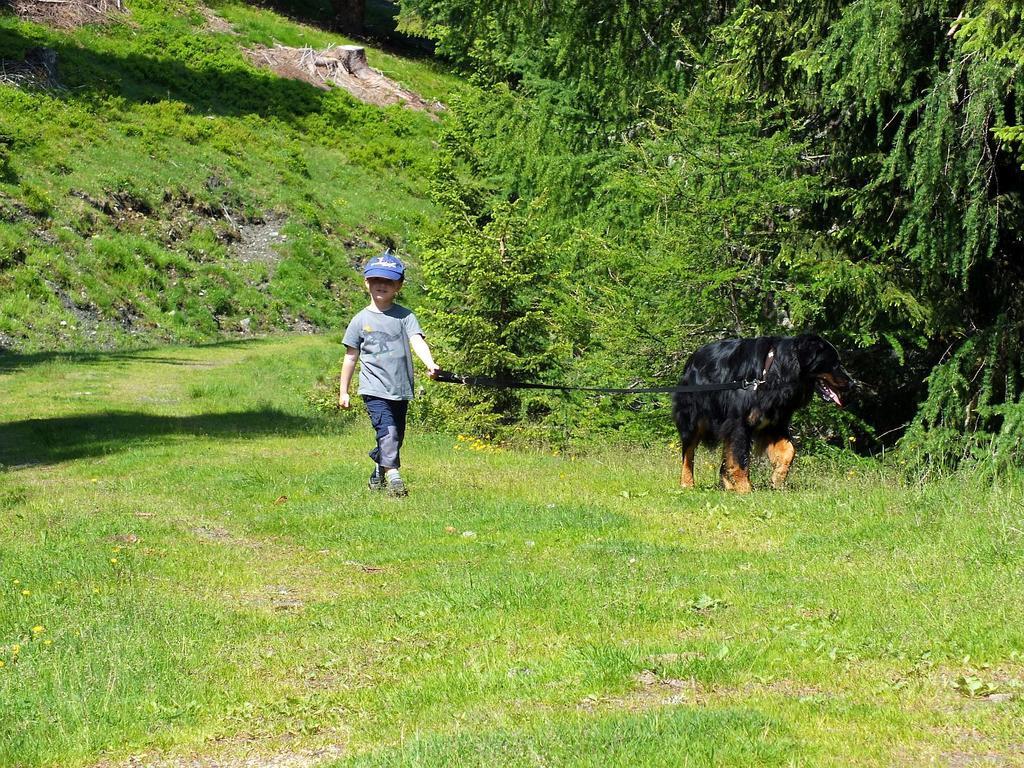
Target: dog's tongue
x=828 y=394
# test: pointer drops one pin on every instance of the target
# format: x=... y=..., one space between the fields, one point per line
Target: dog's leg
x=689 y=437
x=686 y=476
x=735 y=460
x=780 y=454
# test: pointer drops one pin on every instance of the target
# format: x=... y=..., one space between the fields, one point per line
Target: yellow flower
x=15 y=649
x=113 y=560
x=2 y=664
x=47 y=642
x=26 y=592
x=37 y=629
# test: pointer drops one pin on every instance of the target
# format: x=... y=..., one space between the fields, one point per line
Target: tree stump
x=351 y=58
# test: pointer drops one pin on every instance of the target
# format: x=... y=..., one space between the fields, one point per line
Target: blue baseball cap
x=386 y=265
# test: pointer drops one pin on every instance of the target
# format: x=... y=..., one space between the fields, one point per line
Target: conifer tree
x=915 y=111
x=905 y=117
x=492 y=285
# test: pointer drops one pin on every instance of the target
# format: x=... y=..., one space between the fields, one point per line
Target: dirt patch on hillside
x=216 y=23
x=340 y=66
x=258 y=240
x=65 y=14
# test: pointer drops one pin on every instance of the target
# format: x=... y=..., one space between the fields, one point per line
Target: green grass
x=121 y=195
x=212 y=579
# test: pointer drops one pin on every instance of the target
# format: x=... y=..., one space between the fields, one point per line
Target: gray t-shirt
x=382 y=339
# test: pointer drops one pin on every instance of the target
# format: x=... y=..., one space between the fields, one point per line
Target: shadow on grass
x=17 y=361
x=64 y=438
x=217 y=81
x=220 y=86
x=380 y=24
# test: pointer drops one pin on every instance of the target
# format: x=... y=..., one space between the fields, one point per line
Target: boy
x=381 y=335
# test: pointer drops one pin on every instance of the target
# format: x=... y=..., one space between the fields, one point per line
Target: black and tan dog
x=742 y=420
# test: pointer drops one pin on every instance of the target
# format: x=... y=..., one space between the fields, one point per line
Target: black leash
x=497 y=383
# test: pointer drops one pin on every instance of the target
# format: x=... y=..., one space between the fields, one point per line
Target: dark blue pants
x=388 y=420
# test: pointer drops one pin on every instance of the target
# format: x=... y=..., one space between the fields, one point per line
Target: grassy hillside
x=193 y=573
x=170 y=190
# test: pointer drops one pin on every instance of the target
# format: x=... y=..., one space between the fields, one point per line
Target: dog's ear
x=787 y=363
x=808 y=348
